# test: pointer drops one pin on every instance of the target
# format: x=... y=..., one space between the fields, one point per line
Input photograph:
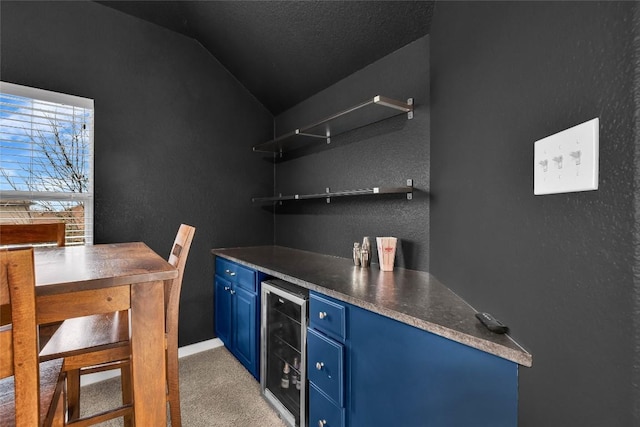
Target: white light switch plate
x=567 y=161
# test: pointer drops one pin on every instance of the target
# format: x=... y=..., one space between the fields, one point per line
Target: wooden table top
x=72 y=268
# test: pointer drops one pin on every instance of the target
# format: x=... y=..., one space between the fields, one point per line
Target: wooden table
x=76 y=281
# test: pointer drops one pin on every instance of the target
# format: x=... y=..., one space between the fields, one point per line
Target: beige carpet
x=215 y=391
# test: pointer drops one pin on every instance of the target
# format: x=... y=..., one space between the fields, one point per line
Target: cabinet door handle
x=233 y=292
x=230 y=273
x=319 y=366
x=226 y=288
x=322 y=423
x=322 y=314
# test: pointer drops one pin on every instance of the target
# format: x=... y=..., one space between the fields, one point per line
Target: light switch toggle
x=558 y=160
x=545 y=165
x=576 y=155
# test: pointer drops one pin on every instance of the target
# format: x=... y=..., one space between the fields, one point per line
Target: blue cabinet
x=245 y=330
x=326 y=361
x=327 y=370
x=237 y=311
x=396 y=374
x=322 y=411
x=222 y=309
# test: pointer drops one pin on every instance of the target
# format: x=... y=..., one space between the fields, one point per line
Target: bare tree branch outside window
x=46 y=150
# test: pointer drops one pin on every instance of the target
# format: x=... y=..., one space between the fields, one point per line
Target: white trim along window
x=46 y=160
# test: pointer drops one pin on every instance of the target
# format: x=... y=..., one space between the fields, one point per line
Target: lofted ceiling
x=285 y=51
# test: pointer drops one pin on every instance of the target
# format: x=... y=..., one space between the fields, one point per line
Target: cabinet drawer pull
x=230 y=273
x=322 y=314
x=322 y=423
x=319 y=366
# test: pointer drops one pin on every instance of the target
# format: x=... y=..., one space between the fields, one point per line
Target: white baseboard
x=198 y=347
x=187 y=350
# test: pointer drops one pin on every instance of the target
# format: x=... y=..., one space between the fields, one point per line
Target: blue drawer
x=325 y=369
x=327 y=316
x=323 y=412
x=244 y=277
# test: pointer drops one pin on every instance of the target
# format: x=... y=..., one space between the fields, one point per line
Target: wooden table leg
x=147 y=349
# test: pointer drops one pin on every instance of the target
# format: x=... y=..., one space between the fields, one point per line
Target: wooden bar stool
x=31 y=393
x=101 y=342
x=30 y=234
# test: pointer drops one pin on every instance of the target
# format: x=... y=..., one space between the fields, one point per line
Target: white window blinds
x=46 y=160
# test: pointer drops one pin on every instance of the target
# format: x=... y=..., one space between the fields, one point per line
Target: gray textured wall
x=556 y=268
x=636 y=241
x=384 y=154
x=173 y=133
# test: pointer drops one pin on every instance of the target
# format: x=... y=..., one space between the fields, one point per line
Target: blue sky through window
x=44 y=146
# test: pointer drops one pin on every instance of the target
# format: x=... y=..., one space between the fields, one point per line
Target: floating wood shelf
x=408 y=189
x=373 y=110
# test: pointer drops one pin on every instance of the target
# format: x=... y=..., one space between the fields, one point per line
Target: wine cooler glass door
x=284 y=352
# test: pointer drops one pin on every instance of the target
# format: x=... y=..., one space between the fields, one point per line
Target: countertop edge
x=521 y=357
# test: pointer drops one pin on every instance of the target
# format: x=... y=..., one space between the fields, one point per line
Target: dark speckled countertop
x=413 y=297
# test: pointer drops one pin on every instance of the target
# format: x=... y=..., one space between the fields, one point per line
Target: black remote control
x=493 y=324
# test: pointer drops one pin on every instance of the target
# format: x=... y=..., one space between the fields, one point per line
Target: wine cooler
x=283 y=350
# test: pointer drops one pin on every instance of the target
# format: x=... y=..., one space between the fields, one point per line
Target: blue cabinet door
x=237 y=311
x=326 y=365
x=404 y=376
x=399 y=375
x=322 y=411
x=223 y=320
x=245 y=329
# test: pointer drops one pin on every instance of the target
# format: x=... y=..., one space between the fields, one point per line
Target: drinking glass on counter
x=386 y=252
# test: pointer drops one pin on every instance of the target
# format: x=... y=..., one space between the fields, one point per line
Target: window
x=46 y=159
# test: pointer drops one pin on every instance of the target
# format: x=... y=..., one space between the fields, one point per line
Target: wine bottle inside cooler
x=295 y=376
x=284 y=382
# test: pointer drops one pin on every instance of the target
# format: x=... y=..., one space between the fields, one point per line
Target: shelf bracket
x=410 y=113
x=410 y=194
x=328 y=198
x=313 y=135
